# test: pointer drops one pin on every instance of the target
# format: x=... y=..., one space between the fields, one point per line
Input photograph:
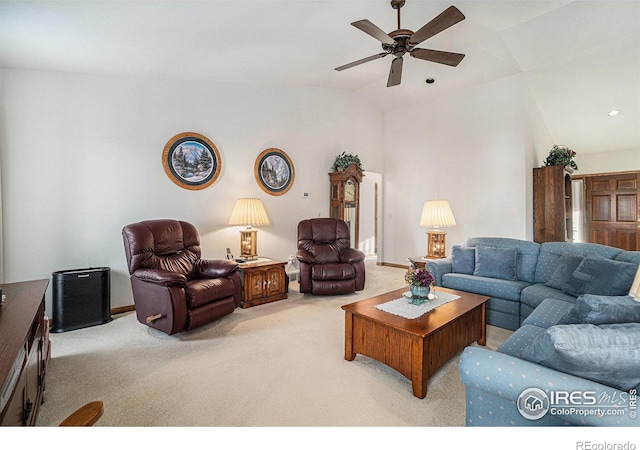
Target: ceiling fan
x=400 y=42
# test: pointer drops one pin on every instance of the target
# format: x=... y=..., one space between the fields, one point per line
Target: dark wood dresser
x=24 y=351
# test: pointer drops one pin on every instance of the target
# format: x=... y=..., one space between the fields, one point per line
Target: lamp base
x=436 y=244
x=248 y=244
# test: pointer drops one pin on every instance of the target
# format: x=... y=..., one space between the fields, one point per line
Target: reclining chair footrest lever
x=155 y=317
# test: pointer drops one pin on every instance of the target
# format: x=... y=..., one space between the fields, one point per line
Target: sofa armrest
x=215 y=268
x=506 y=377
x=351 y=255
x=305 y=256
x=160 y=277
x=438 y=267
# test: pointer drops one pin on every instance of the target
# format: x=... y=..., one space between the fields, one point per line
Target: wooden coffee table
x=416 y=348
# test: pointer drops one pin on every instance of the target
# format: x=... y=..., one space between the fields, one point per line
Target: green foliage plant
x=561 y=155
x=344 y=160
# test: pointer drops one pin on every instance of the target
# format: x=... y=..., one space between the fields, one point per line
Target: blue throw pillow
x=494 y=262
x=601 y=276
x=600 y=309
x=607 y=354
x=566 y=266
x=463 y=259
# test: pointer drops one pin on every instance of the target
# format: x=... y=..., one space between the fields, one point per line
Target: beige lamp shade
x=635 y=287
x=437 y=214
x=248 y=212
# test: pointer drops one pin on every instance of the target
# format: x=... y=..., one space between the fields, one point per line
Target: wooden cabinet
x=23 y=353
x=552 y=205
x=263 y=281
x=345 y=198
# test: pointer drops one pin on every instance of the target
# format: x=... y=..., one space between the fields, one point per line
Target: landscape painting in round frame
x=191 y=161
x=274 y=171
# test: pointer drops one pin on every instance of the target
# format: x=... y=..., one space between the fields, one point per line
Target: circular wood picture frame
x=191 y=161
x=274 y=171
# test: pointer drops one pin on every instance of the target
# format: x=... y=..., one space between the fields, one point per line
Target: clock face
x=349 y=191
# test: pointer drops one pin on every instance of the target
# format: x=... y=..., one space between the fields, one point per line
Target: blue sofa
x=515 y=291
x=594 y=383
x=574 y=358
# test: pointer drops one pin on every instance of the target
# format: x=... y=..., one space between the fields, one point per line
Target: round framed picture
x=191 y=161
x=274 y=171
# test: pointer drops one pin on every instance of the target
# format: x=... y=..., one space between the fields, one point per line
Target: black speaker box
x=81 y=298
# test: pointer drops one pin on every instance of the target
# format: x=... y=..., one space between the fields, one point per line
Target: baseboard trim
x=122 y=309
x=399 y=266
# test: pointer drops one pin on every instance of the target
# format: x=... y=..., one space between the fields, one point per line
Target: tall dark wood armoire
x=345 y=198
x=552 y=205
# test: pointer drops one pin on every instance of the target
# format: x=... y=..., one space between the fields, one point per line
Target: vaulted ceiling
x=580 y=59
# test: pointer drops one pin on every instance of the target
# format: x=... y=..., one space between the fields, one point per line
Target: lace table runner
x=402 y=307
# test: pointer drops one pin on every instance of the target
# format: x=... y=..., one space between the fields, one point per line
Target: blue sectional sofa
x=554 y=372
x=517 y=274
x=574 y=358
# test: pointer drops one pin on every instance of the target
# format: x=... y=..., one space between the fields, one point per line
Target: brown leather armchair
x=328 y=264
x=173 y=289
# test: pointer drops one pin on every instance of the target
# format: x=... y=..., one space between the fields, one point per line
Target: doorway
x=370 y=208
x=611 y=209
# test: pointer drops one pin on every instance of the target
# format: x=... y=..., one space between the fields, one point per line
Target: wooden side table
x=419 y=261
x=264 y=280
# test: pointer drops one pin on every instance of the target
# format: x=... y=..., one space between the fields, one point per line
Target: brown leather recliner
x=173 y=289
x=328 y=264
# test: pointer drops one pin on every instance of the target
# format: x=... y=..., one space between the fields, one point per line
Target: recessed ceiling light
x=614 y=112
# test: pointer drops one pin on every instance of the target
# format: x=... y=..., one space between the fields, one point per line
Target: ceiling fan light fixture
x=401 y=41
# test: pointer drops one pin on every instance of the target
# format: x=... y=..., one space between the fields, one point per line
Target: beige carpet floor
x=275 y=365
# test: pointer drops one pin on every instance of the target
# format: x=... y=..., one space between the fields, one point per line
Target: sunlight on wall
x=576 y=210
x=368 y=246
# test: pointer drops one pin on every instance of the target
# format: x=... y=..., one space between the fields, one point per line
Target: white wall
x=607 y=162
x=81 y=158
x=472 y=148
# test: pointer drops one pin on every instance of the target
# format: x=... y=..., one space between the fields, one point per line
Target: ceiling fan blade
x=372 y=30
x=395 y=74
x=362 y=61
x=437 y=56
x=446 y=19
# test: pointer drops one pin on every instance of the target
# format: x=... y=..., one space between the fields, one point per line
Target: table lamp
x=249 y=212
x=635 y=287
x=436 y=214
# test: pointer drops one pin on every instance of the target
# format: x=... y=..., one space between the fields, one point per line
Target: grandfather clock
x=345 y=198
